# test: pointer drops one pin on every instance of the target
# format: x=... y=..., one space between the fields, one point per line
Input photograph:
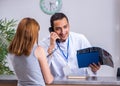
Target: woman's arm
x=40 y=54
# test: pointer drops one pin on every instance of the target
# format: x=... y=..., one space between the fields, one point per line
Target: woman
x=28 y=59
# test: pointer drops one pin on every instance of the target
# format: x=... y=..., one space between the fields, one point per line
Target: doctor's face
x=61 y=27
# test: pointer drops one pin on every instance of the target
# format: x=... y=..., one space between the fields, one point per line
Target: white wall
x=97 y=19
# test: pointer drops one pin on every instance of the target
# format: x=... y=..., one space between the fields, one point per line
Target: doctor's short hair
x=57 y=16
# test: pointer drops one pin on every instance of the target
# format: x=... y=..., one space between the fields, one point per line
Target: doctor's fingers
x=94 y=67
x=97 y=66
x=54 y=36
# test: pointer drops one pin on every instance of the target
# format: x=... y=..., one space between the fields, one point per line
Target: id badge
x=66 y=70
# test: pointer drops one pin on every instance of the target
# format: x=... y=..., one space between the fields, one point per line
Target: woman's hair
x=25 y=37
x=57 y=16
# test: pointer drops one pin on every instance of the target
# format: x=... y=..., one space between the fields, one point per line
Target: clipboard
x=85 y=59
x=90 y=55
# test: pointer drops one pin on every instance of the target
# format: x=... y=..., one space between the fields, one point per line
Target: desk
x=8 y=80
x=11 y=80
x=90 y=81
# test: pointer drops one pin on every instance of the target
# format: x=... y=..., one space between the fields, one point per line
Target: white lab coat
x=58 y=64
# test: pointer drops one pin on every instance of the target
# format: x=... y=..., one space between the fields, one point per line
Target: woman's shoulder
x=39 y=48
x=39 y=52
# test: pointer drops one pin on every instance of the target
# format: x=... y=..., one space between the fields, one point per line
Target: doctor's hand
x=95 y=67
x=53 y=37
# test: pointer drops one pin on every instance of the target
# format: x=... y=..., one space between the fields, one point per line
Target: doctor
x=61 y=47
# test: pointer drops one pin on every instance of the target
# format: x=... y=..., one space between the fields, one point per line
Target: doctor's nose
x=62 y=31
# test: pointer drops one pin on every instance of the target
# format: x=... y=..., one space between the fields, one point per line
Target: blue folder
x=86 y=58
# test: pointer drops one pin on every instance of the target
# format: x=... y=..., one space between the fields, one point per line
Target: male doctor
x=61 y=47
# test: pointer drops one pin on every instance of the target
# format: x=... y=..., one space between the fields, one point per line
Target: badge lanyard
x=66 y=56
